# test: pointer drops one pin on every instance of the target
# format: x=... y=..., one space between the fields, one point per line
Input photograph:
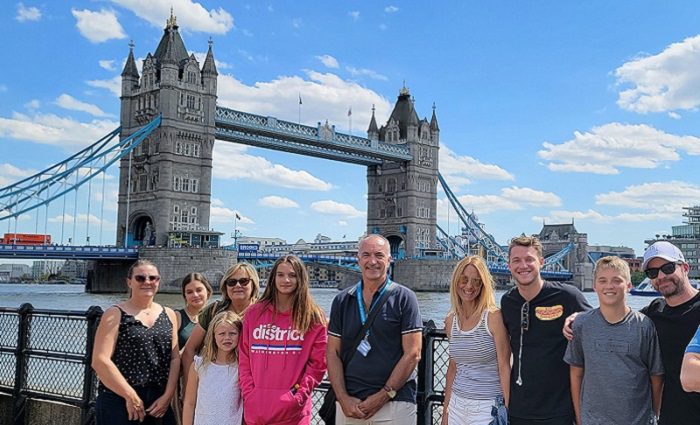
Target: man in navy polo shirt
x=379 y=383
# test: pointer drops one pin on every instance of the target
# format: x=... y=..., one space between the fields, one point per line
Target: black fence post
x=19 y=402
x=425 y=377
x=87 y=410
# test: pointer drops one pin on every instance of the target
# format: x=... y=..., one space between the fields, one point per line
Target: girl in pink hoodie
x=282 y=354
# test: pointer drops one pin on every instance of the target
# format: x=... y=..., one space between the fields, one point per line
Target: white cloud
x=342 y=223
x=510 y=198
x=82 y=219
x=336 y=208
x=98 y=27
x=11 y=174
x=564 y=216
x=658 y=197
x=606 y=149
x=113 y=84
x=675 y=115
x=273 y=201
x=364 y=72
x=25 y=14
x=219 y=213
x=232 y=163
x=391 y=9
x=662 y=82
x=297 y=23
x=51 y=129
x=3 y=88
x=329 y=61
x=33 y=104
x=190 y=15
x=324 y=95
x=69 y=102
x=355 y=15
x=460 y=170
x=107 y=64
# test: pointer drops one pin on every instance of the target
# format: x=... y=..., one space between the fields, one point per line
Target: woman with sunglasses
x=282 y=353
x=135 y=355
x=240 y=287
x=478 y=374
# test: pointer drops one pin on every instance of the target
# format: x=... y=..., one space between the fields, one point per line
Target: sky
x=549 y=111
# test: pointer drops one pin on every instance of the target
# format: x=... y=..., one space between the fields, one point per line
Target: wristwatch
x=390 y=392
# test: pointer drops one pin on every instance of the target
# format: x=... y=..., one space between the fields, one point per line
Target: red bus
x=26 y=239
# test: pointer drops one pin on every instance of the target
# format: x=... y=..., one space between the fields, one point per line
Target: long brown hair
x=305 y=311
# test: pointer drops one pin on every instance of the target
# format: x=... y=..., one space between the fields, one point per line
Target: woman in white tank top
x=478 y=375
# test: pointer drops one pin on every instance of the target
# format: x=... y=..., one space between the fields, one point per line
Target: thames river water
x=434 y=305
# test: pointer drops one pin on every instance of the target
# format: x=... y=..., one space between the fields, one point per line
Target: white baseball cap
x=662 y=249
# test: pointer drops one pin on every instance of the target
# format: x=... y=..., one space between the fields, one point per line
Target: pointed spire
x=171 y=22
x=130 y=69
x=373 y=124
x=209 y=65
x=433 y=121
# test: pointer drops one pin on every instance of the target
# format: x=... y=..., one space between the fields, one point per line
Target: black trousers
x=110 y=408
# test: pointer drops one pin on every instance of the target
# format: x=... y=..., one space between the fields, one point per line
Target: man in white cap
x=676 y=317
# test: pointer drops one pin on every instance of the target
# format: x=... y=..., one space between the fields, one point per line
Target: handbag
x=327 y=409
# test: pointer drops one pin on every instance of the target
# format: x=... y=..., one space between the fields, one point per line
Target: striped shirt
x=474 y=353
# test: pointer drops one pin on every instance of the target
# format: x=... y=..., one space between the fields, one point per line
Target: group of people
x=544 y=358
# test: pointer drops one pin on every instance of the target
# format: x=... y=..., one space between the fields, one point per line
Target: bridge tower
x=402 y=198
x=555 y=237
x=165 y=185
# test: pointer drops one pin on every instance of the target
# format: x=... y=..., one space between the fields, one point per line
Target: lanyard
x=361 y=302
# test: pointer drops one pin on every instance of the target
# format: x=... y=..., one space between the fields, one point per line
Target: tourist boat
x=645 y=289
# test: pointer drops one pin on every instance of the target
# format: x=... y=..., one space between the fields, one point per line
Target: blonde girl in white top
x=213 y=395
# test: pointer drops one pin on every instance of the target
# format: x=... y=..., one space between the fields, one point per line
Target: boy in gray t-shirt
x=616 y=369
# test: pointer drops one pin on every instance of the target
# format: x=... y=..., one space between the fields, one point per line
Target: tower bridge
x=169 y=123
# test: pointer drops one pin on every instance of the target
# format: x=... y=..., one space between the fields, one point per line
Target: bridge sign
x=248 y=247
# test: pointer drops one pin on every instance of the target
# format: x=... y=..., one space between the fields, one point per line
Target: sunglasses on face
x=143 y=278
x=231 y=282
x=653 y=272
x=475 y=283
x=525 y=316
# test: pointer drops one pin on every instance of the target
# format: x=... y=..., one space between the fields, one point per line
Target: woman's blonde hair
x=487 y=298
x=209 y=349
x=250 y=272
x=305 y=311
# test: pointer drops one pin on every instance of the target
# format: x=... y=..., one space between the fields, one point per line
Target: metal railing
x=46 y=355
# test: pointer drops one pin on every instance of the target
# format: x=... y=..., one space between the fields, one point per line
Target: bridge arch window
x=195 y=185
x=185 y=184
x=177 y=184
x=190 y=101
x=195 y=150
x=391 y=186
x=178 y=148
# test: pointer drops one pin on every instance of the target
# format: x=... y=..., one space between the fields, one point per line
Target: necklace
x=192 y=317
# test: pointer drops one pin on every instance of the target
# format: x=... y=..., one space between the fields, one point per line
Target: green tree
x=637 y=277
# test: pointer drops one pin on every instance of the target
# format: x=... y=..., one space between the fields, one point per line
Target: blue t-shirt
x=365 y=375
x=694 y=345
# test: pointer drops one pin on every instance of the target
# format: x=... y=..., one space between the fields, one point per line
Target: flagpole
x=350 y=120
x=299 y=109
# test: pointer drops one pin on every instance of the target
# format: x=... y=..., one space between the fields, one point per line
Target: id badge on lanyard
x=364 y=347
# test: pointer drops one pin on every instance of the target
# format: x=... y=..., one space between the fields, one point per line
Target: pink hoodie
x=273 y=359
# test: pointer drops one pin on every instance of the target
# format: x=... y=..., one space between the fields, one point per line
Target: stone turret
x=402 y=198
x=165 y=187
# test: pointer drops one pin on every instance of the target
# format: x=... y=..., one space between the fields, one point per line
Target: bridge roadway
x=68 y=252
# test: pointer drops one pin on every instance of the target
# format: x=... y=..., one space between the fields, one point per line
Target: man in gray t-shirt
x=616 y=369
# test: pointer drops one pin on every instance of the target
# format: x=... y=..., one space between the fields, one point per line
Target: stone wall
x=175 y=263
x=109 y=276
x=424 y=275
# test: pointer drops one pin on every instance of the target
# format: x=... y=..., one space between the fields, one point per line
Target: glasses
x=524 y=325
x=653 y=272
x=143 y=278
x=475 y=283
x=231 y=282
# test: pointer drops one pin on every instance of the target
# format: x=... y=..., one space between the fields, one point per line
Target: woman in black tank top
x=135 y=355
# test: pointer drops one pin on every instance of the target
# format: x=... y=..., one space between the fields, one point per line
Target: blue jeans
x=110 y=408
